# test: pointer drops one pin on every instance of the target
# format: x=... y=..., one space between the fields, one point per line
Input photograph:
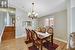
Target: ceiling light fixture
x=33 y=14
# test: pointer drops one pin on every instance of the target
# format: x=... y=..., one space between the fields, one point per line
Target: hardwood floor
x=62 y=45
x=9 y=33
x=18 y=44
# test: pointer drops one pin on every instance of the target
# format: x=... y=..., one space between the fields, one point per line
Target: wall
x=60 y=21
x=41 y=21
x=20 y=18
x=2 y=22
x=61 y=25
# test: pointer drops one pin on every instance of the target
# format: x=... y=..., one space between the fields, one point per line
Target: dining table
x=42 y=37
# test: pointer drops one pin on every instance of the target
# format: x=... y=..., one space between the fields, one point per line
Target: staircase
x=9 y=33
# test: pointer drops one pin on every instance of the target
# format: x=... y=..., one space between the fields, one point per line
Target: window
x=49 y=22
x=46 y=22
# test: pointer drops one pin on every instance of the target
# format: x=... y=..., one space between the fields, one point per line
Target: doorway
x=8 y=29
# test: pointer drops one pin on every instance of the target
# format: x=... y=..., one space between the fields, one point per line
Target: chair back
x=34 y=35
x=29 y=34
x=43 y=29
x=39 y=29
x=50 y=30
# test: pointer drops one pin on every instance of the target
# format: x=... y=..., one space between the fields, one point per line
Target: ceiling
x=42 y=7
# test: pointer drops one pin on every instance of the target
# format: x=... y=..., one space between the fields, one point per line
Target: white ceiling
x=42 y=7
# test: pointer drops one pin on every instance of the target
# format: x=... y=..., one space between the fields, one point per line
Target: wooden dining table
x=42 y=37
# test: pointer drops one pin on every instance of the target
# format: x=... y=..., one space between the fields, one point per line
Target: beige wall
x=60 y=22
x=61 y=25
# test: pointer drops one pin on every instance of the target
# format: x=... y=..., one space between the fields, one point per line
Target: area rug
x=33 y=48
x=46 y=45
x=49 y=46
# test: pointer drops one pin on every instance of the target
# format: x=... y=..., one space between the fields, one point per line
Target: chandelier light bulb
x=33 y=12
x=29 y=14
x=36 y=14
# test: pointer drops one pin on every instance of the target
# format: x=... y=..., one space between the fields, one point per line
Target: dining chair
x=36 y=41
x=72 y=41
x=43 y=29
x=29 y=34
x=50 y=31
x=39 y=29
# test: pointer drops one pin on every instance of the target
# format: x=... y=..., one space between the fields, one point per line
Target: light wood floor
x=18 y=44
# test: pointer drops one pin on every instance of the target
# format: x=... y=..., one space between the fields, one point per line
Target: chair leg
x=52 y=40
x=39 y=47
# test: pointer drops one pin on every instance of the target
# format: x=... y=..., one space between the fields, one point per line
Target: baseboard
x=2 y=33
x=61 y=40
x=20 y=36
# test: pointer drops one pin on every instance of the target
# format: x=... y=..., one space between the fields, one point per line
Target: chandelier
x=33 y=14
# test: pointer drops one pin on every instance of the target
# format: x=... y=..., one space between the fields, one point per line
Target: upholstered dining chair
x=36 y=41
x=29 y=36
x=39 y=29
x=50 y=31
x=43 y=29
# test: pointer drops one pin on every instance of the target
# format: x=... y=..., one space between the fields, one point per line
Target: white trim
x=2 y=33
x=60 y=40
